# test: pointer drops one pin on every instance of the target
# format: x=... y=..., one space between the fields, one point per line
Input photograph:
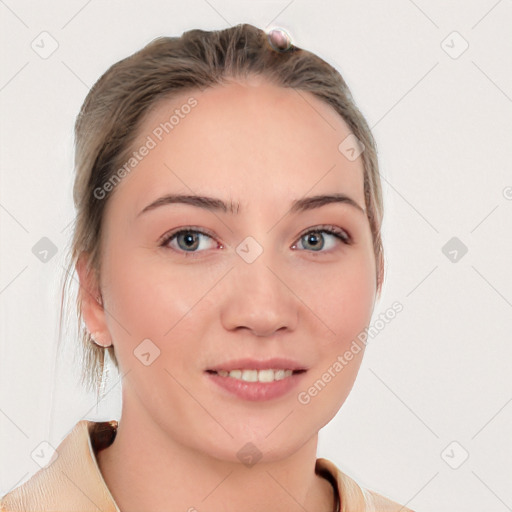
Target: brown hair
x=114 y=108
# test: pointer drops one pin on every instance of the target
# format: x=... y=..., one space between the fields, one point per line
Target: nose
x=259 y=299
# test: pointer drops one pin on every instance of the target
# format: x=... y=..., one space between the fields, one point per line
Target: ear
x=93 y=312
x=380 y=273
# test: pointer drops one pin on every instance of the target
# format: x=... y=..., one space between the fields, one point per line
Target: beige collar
x=73 y=481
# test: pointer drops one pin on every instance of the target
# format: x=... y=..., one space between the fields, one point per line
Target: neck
x=145 y=469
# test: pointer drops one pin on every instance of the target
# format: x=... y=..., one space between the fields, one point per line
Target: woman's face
x=257 y=281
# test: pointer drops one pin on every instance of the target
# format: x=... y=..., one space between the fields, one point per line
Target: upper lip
x=275 y=363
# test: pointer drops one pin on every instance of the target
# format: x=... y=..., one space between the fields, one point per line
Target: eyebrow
x=214 y=204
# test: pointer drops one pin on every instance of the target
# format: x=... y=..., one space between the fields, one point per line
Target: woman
x=228 y=248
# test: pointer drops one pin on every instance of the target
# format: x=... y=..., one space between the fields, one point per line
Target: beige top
x=74 y=483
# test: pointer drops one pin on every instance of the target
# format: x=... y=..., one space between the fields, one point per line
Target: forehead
x=251 y=141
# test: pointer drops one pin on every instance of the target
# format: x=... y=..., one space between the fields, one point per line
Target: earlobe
x=93 y=312
x=101 y=338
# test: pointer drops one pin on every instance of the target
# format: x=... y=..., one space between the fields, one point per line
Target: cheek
x=346 y=300
x=345 y=304
x=145 y=296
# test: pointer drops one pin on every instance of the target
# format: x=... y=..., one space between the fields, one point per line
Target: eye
x=187 y=240
x=313 y=239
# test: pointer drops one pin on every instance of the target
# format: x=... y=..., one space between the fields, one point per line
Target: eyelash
x=339 y=233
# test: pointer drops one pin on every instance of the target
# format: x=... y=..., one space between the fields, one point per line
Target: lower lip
x=256 y=391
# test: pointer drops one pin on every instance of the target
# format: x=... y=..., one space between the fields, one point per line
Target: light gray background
x=439 y=372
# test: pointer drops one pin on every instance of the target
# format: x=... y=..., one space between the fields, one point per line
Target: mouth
x=256 y=380
x=253 y=375
x=251 y=384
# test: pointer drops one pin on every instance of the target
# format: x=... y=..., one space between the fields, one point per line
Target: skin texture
x=260 y=146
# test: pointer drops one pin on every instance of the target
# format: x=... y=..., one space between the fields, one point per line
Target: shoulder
x=70 y=481
x=356 y=498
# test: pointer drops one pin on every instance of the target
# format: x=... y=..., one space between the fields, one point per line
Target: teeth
x=255 y=375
